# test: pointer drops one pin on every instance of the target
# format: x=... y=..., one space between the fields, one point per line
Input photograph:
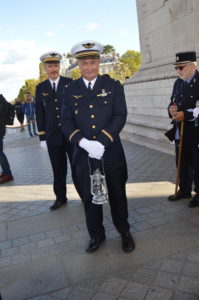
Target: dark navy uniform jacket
x=98 y=115
x=48 y=111
x=185 y=99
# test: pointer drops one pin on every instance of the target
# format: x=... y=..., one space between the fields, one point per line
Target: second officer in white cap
x=93 y=114
x=48 y=115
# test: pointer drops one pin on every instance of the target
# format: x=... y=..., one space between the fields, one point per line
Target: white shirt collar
x=56 y=82
x=91 y=81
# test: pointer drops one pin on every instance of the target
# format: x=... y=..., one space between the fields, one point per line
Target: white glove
x=196 y=112
x=43 y=145
x=94 y=148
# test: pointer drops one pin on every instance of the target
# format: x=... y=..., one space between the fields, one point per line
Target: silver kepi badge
x=76 y=112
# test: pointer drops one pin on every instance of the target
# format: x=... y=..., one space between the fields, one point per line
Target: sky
x=28 y=29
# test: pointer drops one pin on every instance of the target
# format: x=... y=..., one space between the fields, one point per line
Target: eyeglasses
x=180 y=67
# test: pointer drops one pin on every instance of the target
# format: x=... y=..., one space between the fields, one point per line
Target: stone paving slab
x=32 y=279
x=144 y=282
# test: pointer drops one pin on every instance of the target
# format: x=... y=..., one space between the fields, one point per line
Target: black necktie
x=89 y=86
x=54 y=91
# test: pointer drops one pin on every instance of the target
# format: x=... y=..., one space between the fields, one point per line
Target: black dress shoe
x=94 y=244
x=128 y=243
x=57 y=204
x=195 y=201
x=179 y=195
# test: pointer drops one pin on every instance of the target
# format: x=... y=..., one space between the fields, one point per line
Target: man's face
x=185 y=71
x=52 y=70
x=28 y=98
x=89 y=68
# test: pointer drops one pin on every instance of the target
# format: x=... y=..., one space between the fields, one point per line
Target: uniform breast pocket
x=107 y=100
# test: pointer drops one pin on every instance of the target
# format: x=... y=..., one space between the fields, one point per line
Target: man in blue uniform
x=93 y=114
x=48 y=115
x=185 y=97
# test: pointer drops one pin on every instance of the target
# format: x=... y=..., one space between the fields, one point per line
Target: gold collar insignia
x=45 y=94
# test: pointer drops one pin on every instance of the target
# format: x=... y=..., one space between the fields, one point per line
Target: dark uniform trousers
x=185 y=97
x=189 y=168
x=58 y=157
x=98 y=115
x=116 y=177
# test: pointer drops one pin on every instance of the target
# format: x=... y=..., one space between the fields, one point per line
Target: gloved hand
x=196 y=112
x=43 y=145
x=94 y=148
x=97 y=151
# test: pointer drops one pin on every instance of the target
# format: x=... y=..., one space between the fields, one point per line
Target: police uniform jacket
x=48 y=111
x=185 y=99
x=97 y=115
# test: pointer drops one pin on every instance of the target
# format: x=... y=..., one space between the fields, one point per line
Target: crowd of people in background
x=26 y=109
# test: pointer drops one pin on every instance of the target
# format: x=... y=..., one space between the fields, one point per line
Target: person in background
x=93 y=114
x=184 y=100
x=6 y=174
x=29 y=110
x=19 y=113
x=48 y=113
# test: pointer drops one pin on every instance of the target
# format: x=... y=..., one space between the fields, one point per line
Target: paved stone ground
x=42 y=253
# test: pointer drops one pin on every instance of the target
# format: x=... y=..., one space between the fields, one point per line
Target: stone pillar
x=165 y=27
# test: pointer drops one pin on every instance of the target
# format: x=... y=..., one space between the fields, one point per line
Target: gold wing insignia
x=77 y=96
x=45 y=94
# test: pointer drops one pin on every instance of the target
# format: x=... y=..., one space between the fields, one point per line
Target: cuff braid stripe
x=73 y=133
x=41 y=132
x=107 y=134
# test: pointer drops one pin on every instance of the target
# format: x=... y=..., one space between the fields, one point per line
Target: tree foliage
x=108 y=49
x=132 y=59
x=120 y=71
x=75 y=73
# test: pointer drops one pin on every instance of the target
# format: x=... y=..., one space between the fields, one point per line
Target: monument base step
x=162 y=146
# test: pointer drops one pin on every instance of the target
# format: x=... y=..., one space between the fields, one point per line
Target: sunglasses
x=180 y=67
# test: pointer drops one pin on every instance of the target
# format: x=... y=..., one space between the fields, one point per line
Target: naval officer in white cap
x=48 y=115
x=93 y=114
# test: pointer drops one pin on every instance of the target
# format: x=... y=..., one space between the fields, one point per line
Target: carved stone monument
x=165 y=27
